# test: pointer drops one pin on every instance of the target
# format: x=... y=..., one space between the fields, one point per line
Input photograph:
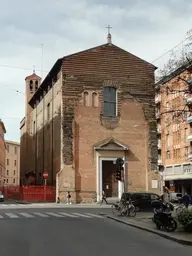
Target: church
x=93 y=107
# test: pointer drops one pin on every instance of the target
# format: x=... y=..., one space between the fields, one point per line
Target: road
x=86 y=234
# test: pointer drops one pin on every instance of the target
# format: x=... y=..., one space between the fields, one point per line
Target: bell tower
x=32 y=83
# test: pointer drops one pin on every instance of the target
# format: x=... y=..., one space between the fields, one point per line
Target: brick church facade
x=93 y=107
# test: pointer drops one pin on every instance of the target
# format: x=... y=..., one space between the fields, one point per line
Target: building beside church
x=93 y=107
x=12 y=173
x=174 y=122
x=2 y=152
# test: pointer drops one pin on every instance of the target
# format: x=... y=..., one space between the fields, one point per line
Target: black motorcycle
x=163 y=216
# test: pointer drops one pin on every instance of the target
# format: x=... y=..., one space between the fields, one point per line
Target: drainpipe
x=52 y=130
x=43 y=133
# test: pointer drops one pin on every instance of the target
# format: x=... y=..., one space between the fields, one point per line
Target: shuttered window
x=110 y=101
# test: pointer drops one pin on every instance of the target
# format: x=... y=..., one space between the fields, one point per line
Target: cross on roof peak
x=108 y=27
x=109 y=41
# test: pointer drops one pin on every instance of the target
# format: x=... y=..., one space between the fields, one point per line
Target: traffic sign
x=45 y=175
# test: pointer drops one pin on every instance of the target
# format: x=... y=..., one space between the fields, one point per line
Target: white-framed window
x=110 y=102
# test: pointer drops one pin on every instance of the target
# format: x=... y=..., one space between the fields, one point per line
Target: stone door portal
x=109 y=182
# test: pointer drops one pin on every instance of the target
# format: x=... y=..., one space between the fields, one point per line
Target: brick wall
x=174 y=127
x=91 y=71
x=40 y=137
x=2 y=153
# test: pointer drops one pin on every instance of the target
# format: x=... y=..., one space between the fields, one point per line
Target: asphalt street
x=60 y=234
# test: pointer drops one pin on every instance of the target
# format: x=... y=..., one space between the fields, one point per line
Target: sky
x=145 y=28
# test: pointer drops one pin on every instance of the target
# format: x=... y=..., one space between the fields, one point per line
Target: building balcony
x=157 y=115
x=159 y=162
x=190 y=157
x=190 y=137
x=178 y=172
x=157 y=99
x=189 y=119
x=188 y=100
x=159 y=130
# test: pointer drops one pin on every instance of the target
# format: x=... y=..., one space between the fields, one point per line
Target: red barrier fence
x=30 y=193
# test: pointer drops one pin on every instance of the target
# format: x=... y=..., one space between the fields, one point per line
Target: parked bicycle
x=180 y=209
x=124 y=208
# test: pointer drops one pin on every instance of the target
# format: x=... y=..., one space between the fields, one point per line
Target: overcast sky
x=146 y=28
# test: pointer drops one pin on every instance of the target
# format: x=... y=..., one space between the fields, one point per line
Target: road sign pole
x=45 y=184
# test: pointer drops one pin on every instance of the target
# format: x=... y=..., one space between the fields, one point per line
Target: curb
x=164 y=235
x=22 y=202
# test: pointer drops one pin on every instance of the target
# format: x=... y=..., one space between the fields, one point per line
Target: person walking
x=104 y=197
x=186 y=200
x=166 y=195
x=68 y=196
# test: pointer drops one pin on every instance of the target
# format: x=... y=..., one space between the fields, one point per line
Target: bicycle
x=180 y=209
x=130 y=209
x=117 y=207
x=124 y=208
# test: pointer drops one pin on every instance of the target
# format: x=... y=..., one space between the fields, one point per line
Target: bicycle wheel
x=116 y=209
x=132 y=211
x=179 y=210
x=124 y=211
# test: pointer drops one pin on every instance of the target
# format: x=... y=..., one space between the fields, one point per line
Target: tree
x=179 y=57
x=178 y=62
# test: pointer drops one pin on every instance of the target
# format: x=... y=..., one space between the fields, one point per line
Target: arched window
x=85 y=98
x=34 y=127
x=36 y=85
x=31 y=86
x=94 y=99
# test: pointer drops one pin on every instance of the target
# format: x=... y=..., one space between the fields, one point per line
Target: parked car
x=175 y=197
x=1 y=197
x=141 y=200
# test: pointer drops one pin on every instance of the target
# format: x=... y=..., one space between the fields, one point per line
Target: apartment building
x=2 y=152
x=174 y=125
x=12 y=173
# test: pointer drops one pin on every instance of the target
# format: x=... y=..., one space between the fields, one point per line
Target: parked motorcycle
x=163 y=216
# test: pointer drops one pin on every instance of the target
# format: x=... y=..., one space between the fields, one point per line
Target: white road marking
x=54 y=214
x=12 y=216
x=81 y=215
x=68 y=215
x=26 y=215
x=95 y=215
x=1 y=217
x=41 y=214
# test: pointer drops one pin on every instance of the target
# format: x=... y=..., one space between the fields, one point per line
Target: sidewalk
x=64 y=205
x=144 y=221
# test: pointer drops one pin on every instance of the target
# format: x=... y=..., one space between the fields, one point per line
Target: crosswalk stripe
x=82 y=215
x=68 y=215
x=94 y=215
x=41 y=214
x=54 y=214
x=49 y=214
x=26 y=215
x=12 y=216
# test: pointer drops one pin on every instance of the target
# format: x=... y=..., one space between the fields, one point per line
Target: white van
x=175 y=197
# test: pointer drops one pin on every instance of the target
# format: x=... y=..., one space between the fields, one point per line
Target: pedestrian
x=166 y=195
x=104 y=197
x=186 y=200
x=68 y=196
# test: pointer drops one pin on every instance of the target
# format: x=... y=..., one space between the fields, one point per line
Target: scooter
x=163 y=216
